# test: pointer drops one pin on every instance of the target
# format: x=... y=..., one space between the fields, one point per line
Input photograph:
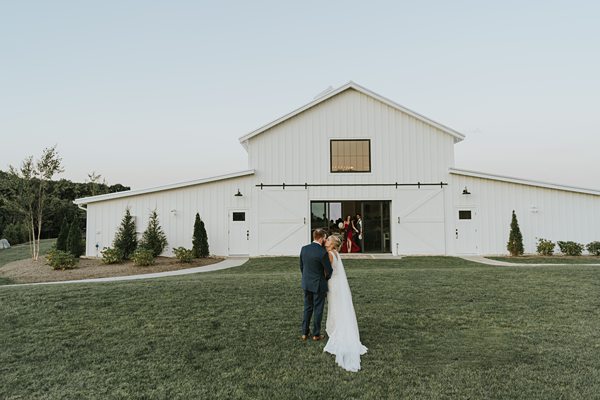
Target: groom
x=316 y=270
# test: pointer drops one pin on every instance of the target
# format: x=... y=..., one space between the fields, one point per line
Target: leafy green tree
x=515 y=239
x=200 y=240
x=154 y=239
x=75 y=243
x=61 y=241
x=126 y=237
x=30 y=184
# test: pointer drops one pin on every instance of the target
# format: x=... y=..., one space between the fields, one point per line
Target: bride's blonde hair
x=337 y=242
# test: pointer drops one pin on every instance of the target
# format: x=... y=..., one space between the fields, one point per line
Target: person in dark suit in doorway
x=316 y=269
x=360 y=236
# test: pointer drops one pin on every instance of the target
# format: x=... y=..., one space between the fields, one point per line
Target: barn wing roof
x=352 y=85
x=502 y=178
x=127 y=193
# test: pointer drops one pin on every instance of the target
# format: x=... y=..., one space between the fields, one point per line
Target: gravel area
x=28 y=271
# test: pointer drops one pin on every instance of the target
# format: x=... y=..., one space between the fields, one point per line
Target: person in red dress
x=349 y=245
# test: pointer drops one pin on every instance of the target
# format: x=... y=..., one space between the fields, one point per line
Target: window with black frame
x=350 y=155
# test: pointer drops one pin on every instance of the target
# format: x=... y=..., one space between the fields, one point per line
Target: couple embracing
x=322 y=275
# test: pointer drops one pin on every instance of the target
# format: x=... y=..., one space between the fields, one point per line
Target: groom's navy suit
x=316 y=270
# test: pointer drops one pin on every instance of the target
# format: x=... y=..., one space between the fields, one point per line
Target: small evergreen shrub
x=126 y=237
x=545 y=247
x=570 y=248
x=593 y=248
x=515 y=239
x=75 y=243
x=154 y=238
x=184 y=255
x=63 y=234
x=61 y=260
x=111 y=256
x=16 y=233
x=142 y=257
x=200 y=240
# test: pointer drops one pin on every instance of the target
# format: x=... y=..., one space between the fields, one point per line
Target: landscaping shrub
x=570 y=248
x=200 y=240
x=143 y=257
x=111 y=256
x=16 y=233
x=545 y=247
x=154 y=238
x=184 y=255
x=593 y=248
x=515 y=239
x=126 y=237
x=75 y=243
x=61 y=241
x=61 y=260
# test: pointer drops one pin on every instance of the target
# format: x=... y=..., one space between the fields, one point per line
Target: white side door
x=466 y=235
x=239 y=233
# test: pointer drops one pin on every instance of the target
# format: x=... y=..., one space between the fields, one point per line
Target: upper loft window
x=351 y=155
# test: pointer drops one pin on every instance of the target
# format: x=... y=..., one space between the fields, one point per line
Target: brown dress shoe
x=304 y=338
x=316 y=338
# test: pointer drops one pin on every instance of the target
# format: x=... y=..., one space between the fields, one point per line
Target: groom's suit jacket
x=315 y=267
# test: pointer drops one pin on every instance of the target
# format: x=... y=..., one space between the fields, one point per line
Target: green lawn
x=549 y=259
x=19 y=252
x=436 y=328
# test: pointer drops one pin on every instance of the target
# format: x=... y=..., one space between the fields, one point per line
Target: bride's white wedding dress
x=341 y=326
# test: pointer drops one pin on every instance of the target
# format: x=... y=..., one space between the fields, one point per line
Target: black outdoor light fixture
x=465 y=191
x=238 y=194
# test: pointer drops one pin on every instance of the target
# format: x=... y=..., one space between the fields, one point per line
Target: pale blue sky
x=155 y=92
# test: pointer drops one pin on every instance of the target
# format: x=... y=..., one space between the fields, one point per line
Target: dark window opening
x=239 y=216
x=464 y=214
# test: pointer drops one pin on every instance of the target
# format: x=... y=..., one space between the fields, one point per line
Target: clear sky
x=154 y=92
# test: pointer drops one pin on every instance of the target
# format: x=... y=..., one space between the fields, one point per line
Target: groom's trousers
x=313 y=303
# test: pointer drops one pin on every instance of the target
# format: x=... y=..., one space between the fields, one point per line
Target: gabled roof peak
x=327 y=94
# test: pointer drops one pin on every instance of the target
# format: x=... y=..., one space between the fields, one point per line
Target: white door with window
x=239 y=233
x=466 y=235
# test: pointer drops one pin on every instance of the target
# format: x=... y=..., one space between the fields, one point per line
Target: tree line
x=33 y=205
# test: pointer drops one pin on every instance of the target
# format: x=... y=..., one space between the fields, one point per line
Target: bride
x=341 y=326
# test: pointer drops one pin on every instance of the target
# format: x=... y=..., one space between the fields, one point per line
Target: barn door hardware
x=457 y=233
x=305 y=185
x=304 y=220
x=248 y=235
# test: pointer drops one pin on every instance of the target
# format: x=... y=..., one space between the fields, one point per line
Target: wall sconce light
x=238 y=194
x=466 y=191
x=174 y=212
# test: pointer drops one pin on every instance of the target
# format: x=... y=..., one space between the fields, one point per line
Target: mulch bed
x=28 y=271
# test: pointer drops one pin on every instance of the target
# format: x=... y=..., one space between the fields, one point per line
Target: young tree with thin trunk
x=30 y=181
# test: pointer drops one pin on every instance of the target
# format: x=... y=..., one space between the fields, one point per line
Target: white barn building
x=353 y=151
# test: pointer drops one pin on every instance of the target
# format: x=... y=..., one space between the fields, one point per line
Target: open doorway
x=375 y=218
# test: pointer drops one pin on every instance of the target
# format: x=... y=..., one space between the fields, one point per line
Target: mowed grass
x=20 y=252
x=436 y=328
x=549 y=259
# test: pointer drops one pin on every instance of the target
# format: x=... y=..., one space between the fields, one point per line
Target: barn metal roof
x=521 y=181
x=127 y=193
x=353 y=85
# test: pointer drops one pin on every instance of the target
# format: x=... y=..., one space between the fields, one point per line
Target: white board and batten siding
x=403 y=148
x=176 y=209
x=542 y=212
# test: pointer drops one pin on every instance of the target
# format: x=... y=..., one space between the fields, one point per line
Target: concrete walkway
x=229 y=262
x=488 y=261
